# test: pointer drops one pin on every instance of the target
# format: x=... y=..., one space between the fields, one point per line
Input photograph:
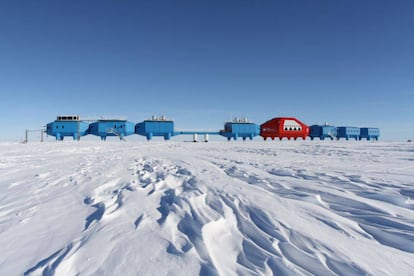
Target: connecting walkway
x=195 y=134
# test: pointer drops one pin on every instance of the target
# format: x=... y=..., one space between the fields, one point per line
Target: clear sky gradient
x=203 y=62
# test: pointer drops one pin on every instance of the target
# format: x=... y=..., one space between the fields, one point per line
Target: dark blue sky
x=202 y=62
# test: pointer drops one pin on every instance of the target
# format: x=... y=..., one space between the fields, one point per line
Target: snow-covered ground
x=218 y=208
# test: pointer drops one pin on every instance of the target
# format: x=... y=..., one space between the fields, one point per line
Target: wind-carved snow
x=173 y=208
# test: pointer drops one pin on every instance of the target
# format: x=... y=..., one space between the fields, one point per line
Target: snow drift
x=238 y=208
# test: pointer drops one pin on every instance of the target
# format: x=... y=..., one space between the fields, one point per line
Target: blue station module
x=67 y=125
x=240 y=128
x=156 y=126
x=348 y=132
x=369 y=133
x=111 y=127
x=322 y=132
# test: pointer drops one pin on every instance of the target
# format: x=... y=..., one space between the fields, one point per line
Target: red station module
x=284 y=127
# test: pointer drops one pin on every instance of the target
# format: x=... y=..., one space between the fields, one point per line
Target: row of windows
x=293 y=129
x=121 y=126
x=57 y=126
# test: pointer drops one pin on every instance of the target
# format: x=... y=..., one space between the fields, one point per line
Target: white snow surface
x=218 y=208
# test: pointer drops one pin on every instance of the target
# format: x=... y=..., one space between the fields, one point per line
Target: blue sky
x=202 y=62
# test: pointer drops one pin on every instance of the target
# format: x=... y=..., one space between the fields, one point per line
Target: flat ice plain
x=217 y=208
